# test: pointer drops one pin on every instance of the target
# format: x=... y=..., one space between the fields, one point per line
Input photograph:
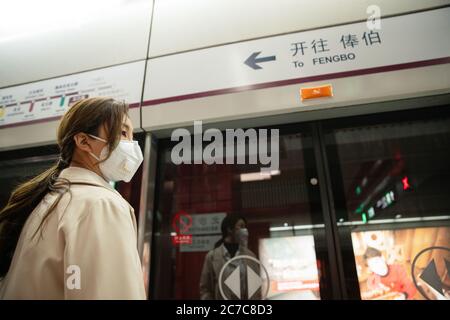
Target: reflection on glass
x=292 y=267
x=225 y=270
x=403 y=264
x=192 y=246
x=396 y=170
x=390 y=176
x=146 y=265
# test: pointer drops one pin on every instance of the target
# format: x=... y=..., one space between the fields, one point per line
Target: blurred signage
x=435 y=275
x=200 y=243
x=292 y=266
x=181 y=223
x=400 y=264
x=204 y=230
x=50 y=99
x=207 y=223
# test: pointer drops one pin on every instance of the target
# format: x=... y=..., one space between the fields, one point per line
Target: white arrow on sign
x=295 y=57
x=254 y=282
x=234 y=282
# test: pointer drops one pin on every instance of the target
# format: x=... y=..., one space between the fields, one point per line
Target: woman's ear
x=82 y=142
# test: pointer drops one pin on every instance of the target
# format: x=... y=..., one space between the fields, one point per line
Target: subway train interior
x=350 y=199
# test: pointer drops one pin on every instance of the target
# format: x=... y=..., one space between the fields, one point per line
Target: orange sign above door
x=316 y=92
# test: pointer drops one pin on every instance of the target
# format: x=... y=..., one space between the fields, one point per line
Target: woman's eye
x=124 y=133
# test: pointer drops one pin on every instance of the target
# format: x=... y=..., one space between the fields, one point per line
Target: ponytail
x=21 y=203
x=218 y=243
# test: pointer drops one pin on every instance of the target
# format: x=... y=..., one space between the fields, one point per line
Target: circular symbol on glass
x=182 y=222
x=430 y=272
x=243 y=278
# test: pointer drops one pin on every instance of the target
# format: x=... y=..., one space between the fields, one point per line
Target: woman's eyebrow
x=126 y=126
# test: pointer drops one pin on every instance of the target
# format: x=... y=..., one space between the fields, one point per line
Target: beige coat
x=87 y=250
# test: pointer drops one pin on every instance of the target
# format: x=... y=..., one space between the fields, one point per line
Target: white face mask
x=242 y=237
x=123 y=162
x=378 y=266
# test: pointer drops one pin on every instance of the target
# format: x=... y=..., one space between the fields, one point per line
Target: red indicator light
x=405 y=183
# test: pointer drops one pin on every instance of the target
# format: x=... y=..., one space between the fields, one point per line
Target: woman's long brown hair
x=86 y=116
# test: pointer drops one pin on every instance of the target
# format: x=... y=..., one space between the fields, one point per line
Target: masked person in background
x=233 y=243
x=389 y=278
x=67 y=234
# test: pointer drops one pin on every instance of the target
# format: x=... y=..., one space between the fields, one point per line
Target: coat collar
x=78 y=174
x=223 y=252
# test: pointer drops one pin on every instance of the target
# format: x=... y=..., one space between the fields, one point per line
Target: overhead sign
x=405 y=41
x=49 y=99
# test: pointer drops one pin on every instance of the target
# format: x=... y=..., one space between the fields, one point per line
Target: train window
x=391 y=189
x=282 y=255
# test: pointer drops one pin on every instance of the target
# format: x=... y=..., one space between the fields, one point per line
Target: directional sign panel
x=243 y=278
x=401 y=42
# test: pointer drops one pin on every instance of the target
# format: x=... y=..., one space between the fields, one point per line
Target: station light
x=405 y=183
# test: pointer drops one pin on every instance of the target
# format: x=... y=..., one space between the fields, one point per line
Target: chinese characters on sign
x=196 y=232
x=320 y=45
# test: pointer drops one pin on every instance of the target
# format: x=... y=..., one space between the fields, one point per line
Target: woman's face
x=88 y=149
x=240 y=224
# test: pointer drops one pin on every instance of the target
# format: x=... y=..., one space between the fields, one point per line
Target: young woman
x=67 y=234
x=233 y=243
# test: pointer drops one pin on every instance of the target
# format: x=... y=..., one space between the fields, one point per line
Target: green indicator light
x=364 y=218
